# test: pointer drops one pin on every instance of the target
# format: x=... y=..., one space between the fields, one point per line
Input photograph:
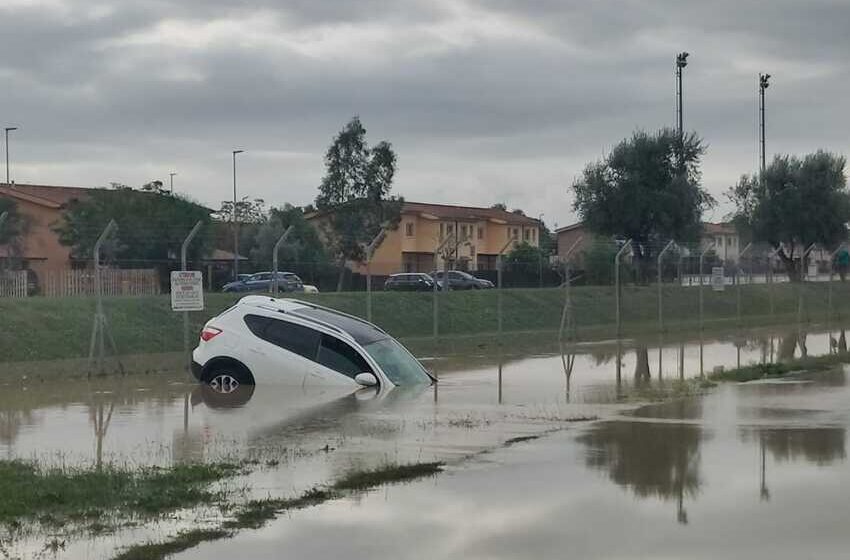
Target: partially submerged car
x=267 y=340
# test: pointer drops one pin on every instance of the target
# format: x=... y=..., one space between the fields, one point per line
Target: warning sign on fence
x=718 y=279
x=187 y=290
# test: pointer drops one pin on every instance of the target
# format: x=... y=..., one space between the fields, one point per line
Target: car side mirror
x=366 y=379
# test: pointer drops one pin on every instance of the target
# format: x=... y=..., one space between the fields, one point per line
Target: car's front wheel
x=227 y=377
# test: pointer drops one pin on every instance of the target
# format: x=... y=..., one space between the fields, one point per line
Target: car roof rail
x=324 y=324
x=336 y=311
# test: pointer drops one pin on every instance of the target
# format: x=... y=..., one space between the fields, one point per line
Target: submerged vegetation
x=256 y=513
x=772 y=370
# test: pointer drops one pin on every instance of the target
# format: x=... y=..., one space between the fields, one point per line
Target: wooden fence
x=13 y=283
x=115 y=282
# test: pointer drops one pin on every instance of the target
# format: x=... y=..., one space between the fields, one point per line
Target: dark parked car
x=409 y=282
x=262 y=282
x=460 y=280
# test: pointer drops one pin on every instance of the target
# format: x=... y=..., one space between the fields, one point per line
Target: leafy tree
x=15 y=225
x=524 y=259
x=795 y=203
x=151 y=226
x=647 y=190
x=355 y=193
x=156 y=187
x=248 y=211
x=500 y=206
x=303 y=245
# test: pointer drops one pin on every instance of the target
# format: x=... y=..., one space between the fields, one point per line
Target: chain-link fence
x=88 y=308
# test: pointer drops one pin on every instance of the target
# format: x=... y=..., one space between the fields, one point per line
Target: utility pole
x=8 y=129
x=763 y=85
x=171 y=181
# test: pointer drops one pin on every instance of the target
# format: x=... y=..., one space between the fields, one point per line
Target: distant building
x=412 y=247
x=723 y=237
x=42 y=206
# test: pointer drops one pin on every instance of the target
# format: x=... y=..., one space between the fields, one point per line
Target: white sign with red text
x=187 y=290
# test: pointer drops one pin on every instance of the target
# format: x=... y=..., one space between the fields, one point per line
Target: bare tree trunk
x=641 y=365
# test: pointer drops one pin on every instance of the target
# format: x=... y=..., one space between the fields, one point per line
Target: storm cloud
x=484 y=101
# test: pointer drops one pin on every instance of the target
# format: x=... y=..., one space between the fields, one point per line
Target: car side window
x=455 y=276
x=303 y=341
x=341 y=357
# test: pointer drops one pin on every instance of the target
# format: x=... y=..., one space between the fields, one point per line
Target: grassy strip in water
x=56 y=497
x=766 y=371
x=183 y=541
x=257 y=513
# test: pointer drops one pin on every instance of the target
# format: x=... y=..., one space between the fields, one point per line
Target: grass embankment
x=257 y=513
x=97 y=500
x=766 y=371
x=48 y=328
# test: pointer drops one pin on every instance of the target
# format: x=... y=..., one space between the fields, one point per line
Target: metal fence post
x=275 y=254
x=566 y=314
x=803 y=260
x=770 y=256
x=184 y=266
x=370 y=251
x=622 y=250
x=738 y=282
x=701 y=295
x=100 y=326
x=660 y=284
x=500 y=264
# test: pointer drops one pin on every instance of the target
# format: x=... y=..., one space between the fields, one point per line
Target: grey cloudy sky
x=483 y=100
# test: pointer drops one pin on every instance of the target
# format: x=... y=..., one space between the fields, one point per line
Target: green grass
x=781 y=369
x=48 y=328
x=57 y=497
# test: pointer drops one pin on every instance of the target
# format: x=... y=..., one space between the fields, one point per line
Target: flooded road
x=691 y=470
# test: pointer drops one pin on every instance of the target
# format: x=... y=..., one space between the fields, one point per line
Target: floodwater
x=754 y=469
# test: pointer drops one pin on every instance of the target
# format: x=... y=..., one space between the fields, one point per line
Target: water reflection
x=819 y=446
x=651 y=459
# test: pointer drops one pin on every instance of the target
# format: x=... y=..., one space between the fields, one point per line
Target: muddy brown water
x=746 y=470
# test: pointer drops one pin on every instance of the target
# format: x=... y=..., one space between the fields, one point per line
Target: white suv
x=267 y=340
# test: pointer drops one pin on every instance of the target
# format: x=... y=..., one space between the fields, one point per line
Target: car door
x=341 y=361
x=283 y=352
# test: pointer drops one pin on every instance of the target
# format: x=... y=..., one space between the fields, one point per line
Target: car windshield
x=397 y=363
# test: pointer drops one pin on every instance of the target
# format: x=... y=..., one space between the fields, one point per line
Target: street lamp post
x=171 y=181
x=235 y=223
x=8 y=130
x=681 y=62
x=763 y=85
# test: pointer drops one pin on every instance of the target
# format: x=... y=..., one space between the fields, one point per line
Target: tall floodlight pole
x=763 y=85
x=8 y=129
x=171 y=181
x=681 y=62
x=235 y=224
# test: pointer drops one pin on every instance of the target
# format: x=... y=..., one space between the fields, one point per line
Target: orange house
x=42 y=206
x=413 y=247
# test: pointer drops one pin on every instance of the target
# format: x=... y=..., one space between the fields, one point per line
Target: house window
x=408 y=229
x=526 y=235
x=515 y=233
x=463 y=231
x=450 y=229
x=534 y=235
x=728 y=241
x=480 y=232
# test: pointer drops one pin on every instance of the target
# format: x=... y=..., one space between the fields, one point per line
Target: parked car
x=266 y=340
x=409 y=282
x=262 y=282
x=460 y=280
